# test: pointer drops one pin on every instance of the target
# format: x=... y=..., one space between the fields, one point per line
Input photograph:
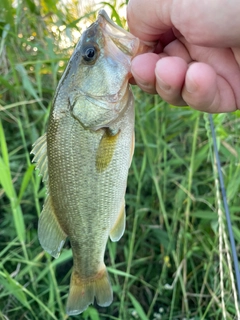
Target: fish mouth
x=124 y=40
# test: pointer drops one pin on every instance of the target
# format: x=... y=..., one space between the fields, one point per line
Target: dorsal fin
x=40 y=152
x=50 y=234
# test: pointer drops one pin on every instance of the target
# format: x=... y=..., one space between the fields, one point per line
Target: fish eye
x=89 y=54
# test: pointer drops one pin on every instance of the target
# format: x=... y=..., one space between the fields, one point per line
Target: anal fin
x=119 y=227
x=50 y=234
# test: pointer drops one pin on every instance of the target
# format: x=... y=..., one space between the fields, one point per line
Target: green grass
x=172 y=261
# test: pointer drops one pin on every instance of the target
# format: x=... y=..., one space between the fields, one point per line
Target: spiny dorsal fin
x=40 y=152
x=105 y=150
x=50 y=234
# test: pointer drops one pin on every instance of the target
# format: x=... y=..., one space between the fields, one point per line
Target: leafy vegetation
x=173 y=261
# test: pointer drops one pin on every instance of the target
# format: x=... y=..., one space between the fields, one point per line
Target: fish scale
x=85 y=156
x=98 y=204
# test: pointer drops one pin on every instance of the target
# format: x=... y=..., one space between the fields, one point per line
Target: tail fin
x=83 y=291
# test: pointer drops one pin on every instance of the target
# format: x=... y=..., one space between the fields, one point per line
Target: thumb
x=147 y=20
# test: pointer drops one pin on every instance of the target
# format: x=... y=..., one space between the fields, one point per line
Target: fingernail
x=163 y=85
x=190 y=86
x=141 y=83
x=144 y=85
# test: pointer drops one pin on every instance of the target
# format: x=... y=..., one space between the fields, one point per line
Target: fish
x=85 y=155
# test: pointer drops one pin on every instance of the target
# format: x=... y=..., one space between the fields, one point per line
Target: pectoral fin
x=119 y=226
x=50 y=234
x=40 y=152
x=105 y=151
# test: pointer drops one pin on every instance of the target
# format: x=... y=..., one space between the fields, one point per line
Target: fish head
x=98 y=73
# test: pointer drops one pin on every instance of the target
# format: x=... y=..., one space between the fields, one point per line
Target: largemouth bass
x=85 y=155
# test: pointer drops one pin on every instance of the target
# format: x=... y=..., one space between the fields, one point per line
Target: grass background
x=173 y=261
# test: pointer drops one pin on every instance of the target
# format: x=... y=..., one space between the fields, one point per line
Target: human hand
x=197 y=52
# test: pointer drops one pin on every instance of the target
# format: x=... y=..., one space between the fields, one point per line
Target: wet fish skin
x=85 y=155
